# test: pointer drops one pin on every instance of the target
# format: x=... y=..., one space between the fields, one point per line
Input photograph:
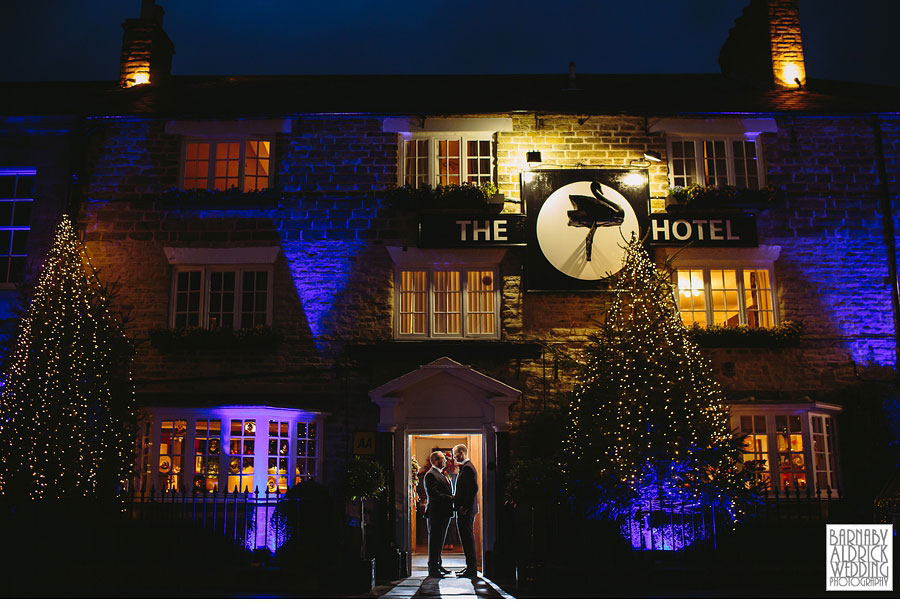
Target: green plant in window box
x=451 y=197
x=257 y=338
x=785 y=335
x=232 y=198
x=726 y=197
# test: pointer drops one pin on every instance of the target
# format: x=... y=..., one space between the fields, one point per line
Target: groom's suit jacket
x=439 y=493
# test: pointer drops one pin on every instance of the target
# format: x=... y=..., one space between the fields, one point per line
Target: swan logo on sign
x=581 y=227
x=580 y=221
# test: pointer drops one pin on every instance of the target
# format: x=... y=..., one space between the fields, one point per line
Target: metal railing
x=248 y=519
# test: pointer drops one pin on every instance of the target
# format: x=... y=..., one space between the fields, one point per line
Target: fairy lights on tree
x=67 y=407
x=648 y=419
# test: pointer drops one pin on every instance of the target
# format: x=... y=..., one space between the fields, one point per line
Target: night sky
x=80 y=40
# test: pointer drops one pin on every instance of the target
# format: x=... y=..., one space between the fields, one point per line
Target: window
x=442 y=159
x=229 y=451
x=207 y=448
x=241 y=452
x=279 y=449
x=447 y=302
x=16 y=200
x=171 y=454
x=221 y=165
x=756 y=444
x=307 y=451
x=715 y=162
x=796 y=446
x=227 y=297
x=725 y=296
x=823 y=451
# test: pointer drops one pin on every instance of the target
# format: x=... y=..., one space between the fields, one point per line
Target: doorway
x=420 y=447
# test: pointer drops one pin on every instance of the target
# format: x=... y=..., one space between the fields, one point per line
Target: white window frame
x=205 y=271
x=211 y=173
x=433 y=138
x=806 y=412
x=739 y=268
x=261 y=414
x=429 y=270
x=700 y=164
x=7 y=255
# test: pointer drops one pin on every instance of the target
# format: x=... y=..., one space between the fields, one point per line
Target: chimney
x=146 y=49
x=764 y=46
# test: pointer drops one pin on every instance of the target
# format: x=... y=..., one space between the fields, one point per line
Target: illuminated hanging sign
x=478 y=230
x=703 y=230
x=578 y=222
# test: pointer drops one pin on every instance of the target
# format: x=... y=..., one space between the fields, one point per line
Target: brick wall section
x=564 y=142
x=337 y=154
x=131 y=157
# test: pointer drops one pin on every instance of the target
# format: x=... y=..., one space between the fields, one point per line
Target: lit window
x=442 y=160
x=756 y=444
x=791 y=461
x=447 y=303
x=715 y=162
x=16 y=200
x=241 y=453
x=279 y=453
x=171 y=454
x=222 y=165
x=307 y=451
x=215 y=297
x=725 y=296
x=796 y=447
x=207 y=451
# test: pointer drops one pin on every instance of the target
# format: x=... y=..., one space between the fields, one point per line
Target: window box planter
x=705 y=198
x=450 y=198
x=233 y=198
x=785 y=335
x=184 y=340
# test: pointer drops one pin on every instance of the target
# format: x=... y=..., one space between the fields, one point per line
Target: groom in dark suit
x=466 y=504
x=438 y=511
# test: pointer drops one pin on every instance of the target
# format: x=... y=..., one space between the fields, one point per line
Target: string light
x=647 y=405
x=68 y=399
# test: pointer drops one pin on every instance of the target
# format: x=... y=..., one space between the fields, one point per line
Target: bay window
x=795 y=444
x=234 y=448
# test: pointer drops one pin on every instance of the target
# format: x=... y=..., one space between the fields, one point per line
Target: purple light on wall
x=321 y=271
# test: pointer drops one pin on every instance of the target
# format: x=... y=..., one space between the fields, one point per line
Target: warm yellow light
x=790 y=73
x=141 y=78
x=633 y=179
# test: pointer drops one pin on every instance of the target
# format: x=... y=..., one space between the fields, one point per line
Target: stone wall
x=334 y=279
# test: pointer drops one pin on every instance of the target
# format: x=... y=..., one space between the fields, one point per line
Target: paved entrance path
x=420 y=586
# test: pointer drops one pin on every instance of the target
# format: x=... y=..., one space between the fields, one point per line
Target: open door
x=421 y=446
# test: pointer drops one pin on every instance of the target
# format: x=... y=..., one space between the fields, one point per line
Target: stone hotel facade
x=365 y=324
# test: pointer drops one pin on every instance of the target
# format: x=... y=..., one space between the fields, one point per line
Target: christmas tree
x=67 y=405
x=648 y=419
